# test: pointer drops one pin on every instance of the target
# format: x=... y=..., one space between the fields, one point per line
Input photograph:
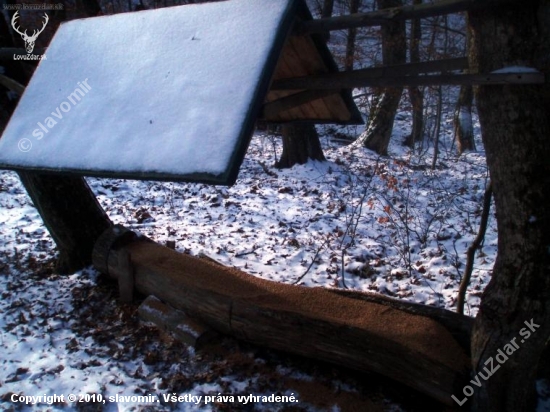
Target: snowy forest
x=433 y=202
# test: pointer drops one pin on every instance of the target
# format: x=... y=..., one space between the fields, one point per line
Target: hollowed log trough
x=424 y=348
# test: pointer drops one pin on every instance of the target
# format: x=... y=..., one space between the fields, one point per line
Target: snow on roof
x=166 y=94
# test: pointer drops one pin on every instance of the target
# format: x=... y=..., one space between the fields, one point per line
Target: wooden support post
x=416 y=350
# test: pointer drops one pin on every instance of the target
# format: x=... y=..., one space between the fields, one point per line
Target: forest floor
x=390 y=225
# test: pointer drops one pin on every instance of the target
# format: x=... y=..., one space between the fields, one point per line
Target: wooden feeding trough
x=422 y=347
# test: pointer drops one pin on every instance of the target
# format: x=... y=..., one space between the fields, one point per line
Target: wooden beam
x=334 y=80
x=381 y=17
x=272 y=109
x=176 y=322
x=347 y=80
x=345 y=330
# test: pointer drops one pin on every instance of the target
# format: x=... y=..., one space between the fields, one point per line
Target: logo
x=29 y=40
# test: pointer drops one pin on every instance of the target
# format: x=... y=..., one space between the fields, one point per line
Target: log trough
x=424 y=348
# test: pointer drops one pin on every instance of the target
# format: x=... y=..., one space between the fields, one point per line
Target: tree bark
x=416 y=95
x=326 y=12
x=394 y=51
x=328 y=7
x=472 y=249
x=71 y=214
x=352 y=34
x=300 y=143
x=515 y=129
x=463 y=123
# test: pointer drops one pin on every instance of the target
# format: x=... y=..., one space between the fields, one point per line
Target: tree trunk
x=394 y=51
x=515 y=306
x=300 y=143
x=415 y=93
x=71 y=214
x=352 y=34
x=67 y=205
x=463 y=124
x=328 y=8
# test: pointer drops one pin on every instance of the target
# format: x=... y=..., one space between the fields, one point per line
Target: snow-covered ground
x=389 y=225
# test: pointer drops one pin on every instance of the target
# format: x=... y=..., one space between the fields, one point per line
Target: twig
x=473 y=247
x=266 y=170
x=312 y=261
x=237 y=255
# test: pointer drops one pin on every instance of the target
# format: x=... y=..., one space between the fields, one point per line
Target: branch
x=473 y=247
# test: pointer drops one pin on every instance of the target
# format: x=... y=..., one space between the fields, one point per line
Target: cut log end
x=113 y=238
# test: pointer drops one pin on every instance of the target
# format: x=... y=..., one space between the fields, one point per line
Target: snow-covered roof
x=166 y=94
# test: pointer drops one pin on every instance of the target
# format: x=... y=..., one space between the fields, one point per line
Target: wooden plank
x=335 y=108
x=312 y=63
x=364 y=335
x=272 y=109
x=308 y=82
x=381 y=17
x=347 y=80
x=181 y=326
x=301 y=58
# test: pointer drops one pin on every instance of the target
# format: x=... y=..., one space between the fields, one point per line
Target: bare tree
x=300 y=143
x=394 y=51
x=415 y=93
x=352 y=35
x=462 y=121
x=326 y=11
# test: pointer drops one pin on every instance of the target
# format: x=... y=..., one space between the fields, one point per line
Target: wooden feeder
x=169 y=94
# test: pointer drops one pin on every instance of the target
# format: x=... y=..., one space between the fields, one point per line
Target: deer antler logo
x=29 y=40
